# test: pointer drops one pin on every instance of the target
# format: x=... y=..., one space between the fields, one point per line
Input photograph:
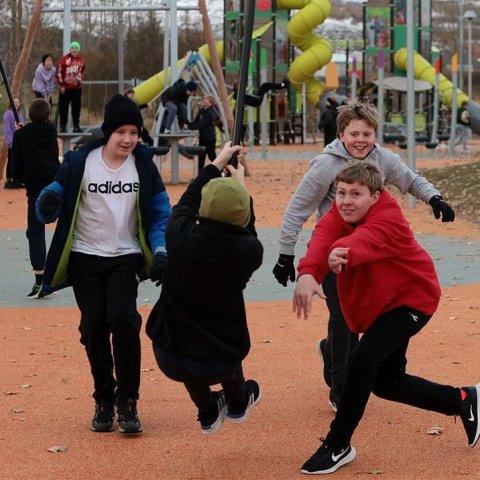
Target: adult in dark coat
x=328 y=121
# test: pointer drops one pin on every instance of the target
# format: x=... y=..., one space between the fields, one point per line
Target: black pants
x=199 y=374
x=341 y=340
x=209 y=144
x=106 y=292
x=377 y=364
x=72 y=97
x=37 y=248
x=9 y=170
x=39 y=95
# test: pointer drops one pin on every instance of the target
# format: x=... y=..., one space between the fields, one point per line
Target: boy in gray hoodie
x=357 y=124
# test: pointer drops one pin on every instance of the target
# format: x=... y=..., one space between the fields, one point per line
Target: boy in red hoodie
x=365 y=239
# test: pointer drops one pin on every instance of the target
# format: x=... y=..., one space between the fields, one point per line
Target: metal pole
x=353 y=85
x=470 y=65
x=166 y=51
x=453 y=119
x=381 y=69
x=433 y=138
x=121 y=62
x=461 y=44
x=410 y=95
x=304 y=112
x=67 y=22
x=263 y=113
x=243 y=74
x=173 y=39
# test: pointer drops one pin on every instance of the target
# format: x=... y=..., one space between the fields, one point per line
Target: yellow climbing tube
x=425 y=71
x=316 y=51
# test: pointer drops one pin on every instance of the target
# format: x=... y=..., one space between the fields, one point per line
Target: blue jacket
x=153 y=210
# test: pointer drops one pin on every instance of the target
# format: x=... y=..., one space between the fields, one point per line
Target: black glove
x=284 y=269
x=50 y=203
x=158 y=267
x=440 y=207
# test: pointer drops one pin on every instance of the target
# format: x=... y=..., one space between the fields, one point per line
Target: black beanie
x=121 y=110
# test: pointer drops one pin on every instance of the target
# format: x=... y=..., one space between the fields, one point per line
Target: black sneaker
x=239 y=413
x=128 y=421
x=326 y=460
x=36 y=289
x=43 y=293
x=103 y=418
x=212 y=420
x=63 y=129
x=77 y=129
x=469 y=413
x=327 y=362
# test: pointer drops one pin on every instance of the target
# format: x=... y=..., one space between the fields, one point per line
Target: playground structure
x=425 y=71
x=286 y=46
x=312 y=52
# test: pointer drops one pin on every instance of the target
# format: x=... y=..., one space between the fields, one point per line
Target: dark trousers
x=37 y=248
x=73 y=98
x=173 y=110
x=209 y=145
x=377 y=364
x=106 y=292
x=39 y=95
x=341 y=340
x=9 y=170
x=199 y=374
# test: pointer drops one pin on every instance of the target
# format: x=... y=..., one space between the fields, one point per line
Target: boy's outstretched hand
x=305 y=289
x=441 y=208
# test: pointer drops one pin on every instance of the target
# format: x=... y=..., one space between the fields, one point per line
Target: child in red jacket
x=365 y=239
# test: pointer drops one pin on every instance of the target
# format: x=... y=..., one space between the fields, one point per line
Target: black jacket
x=201 y=311
x=204 y=122
x=35 y=154
x=177 y=93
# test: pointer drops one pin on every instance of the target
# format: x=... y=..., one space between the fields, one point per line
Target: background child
x=204 y=122
x=357 y=125
x=199 y=326
x=388 y=290
x=35 y=149
x=9 y=127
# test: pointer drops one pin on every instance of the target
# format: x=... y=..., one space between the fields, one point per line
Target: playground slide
x=152 y=87
x=317 y=51
x=425 y=71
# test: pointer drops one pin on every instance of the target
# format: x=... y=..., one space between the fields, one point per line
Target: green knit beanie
x=226 y=200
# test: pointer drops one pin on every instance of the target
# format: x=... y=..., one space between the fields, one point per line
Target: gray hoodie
x=317 y=188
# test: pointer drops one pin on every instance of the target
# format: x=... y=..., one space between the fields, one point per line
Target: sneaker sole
x=102 y=429
x=243 y=418
x=217 y=424
x=130 y=432
x=350 y=457
x=477 y=433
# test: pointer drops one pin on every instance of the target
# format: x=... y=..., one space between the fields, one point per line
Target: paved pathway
x=457 y=261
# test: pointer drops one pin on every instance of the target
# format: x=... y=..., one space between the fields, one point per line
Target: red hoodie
x=386 y=269
x=70 y=71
